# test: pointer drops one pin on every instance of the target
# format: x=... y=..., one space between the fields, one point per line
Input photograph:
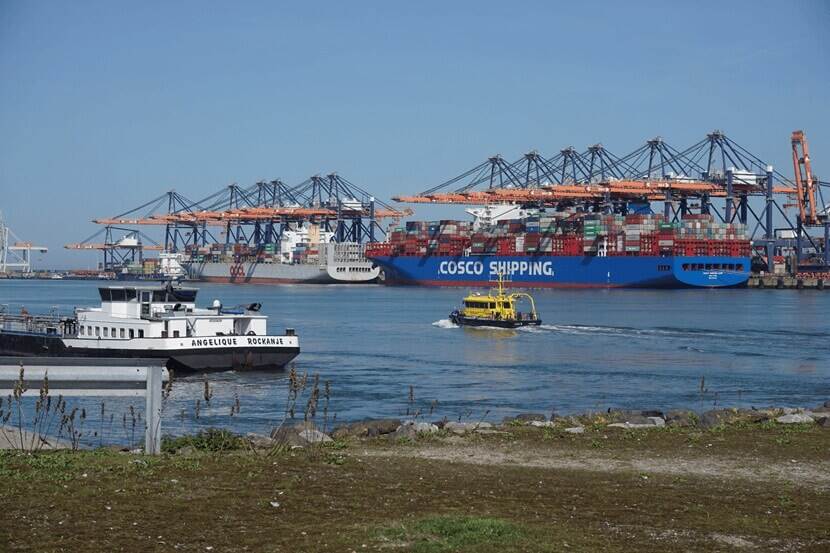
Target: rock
x=753 y=415
x=635 y=419
x=367 y=428
x=258 y=441
x=288 y=435
x=491 y=431
x=631 y=425
x=789 y=410
x=680 y=418
x=186 y=450
x=652 y=413
x=464 y=427
x=827 y=404
x=657 y=421
x=795 y=418
x=823 y=422
x=716 y=417
x=525 y=418
x=633 y=416
x=543 y=424
x=313 y=436
x=411 y=429
x=575 y=430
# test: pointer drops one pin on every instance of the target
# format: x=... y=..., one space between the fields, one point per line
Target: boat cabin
x=490 y=306
x=162 y=311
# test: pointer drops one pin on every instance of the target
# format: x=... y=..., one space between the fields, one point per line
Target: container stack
x=570 y=234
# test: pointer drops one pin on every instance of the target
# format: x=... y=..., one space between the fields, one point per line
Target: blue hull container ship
x=569 y=272
x=568 y=250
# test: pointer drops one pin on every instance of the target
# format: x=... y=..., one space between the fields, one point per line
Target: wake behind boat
x=155 y=321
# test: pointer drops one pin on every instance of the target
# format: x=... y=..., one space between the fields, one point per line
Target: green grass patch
x=458 y=533
x=212 y=439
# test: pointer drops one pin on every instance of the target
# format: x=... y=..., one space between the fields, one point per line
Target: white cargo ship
x=304 y=255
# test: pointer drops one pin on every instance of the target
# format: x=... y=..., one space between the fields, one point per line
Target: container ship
x=305 y=254
x=166 y=267
x=567 y=250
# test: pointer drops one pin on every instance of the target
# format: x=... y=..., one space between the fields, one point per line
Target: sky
x=105 y=105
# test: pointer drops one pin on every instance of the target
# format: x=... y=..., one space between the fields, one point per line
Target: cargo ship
x=304 y=255
x=166 y=267
x=540 y=249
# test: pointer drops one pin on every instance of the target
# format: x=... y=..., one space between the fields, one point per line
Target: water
x=596 y=349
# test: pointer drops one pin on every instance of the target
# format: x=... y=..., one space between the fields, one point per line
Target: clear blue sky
x=104 y=105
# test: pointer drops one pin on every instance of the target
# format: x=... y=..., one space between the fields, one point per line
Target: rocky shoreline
x=305 y=433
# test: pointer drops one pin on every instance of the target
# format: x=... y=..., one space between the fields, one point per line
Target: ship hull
x=281 y=273
x=569 y=271
x=461 y=320
x=180 y=359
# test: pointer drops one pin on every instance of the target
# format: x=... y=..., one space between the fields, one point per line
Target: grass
x=350 y=496
x=438 y=534
x=211 y=439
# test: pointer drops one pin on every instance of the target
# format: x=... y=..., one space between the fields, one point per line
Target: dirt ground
x=764 y=488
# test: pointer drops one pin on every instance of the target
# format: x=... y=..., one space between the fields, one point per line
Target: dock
x=781 y=282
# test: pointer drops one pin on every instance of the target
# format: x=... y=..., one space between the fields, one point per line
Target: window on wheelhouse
x=106 y=332
x=121 y=333
x=141 y=333
x=145 y=303
x=132 y=334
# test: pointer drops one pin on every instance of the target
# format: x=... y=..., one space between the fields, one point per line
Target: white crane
x=17 y=256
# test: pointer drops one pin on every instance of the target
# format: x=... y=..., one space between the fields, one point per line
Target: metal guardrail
x=89 y=377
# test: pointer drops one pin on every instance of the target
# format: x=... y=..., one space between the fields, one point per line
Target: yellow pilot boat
x=497 y=310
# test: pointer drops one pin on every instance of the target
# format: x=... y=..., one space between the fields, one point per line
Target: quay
x=780 y=282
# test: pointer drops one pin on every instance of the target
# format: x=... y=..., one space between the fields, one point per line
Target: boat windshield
x=179 y=295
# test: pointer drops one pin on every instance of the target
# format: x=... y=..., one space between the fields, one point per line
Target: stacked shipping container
x=569 y=234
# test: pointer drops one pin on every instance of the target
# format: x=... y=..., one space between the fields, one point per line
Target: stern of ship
x=712 y=271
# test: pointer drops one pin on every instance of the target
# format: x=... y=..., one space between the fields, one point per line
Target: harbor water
x=596 y=349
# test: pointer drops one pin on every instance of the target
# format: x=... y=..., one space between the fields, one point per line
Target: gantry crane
x=683 y=180
x=17 y=255
x=258 y=214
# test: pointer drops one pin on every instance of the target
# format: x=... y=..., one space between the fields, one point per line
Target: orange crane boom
x=805 y=188
x=651 y=190
x=83 y=246
x=248 y=214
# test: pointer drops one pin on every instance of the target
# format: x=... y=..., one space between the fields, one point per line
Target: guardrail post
x=152 y=415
